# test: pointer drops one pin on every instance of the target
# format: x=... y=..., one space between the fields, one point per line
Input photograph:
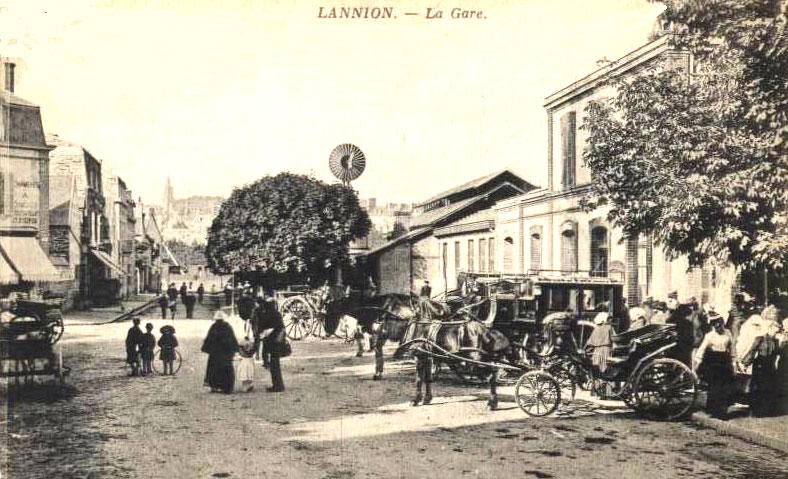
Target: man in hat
x=270 y=325
x=221 y=345
x=134 y=342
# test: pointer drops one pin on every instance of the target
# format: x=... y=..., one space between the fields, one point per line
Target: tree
x=698 y=160
x=285 y=225
x=397 y=231
x=186 y=254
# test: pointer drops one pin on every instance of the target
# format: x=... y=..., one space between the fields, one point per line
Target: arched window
x=508 y=251
x=536 y=248
x=599 y=251
x=569 y=247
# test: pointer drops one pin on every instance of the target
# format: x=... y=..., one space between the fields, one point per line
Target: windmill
x=347 y=162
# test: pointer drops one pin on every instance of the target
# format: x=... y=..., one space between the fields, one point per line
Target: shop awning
x=108 y=261
x=28 y=262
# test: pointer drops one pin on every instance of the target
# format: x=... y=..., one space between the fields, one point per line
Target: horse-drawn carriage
x=304 y=311
x=28 y=330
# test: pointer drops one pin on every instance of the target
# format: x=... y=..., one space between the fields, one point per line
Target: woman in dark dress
x=763 y=356
x=221 y=345
x=714 y=363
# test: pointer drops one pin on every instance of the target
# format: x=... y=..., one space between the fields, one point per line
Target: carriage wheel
x=158 y=366
x=537 y=393
x=54 y=330
x=298 y=318
x=569 y=376
x=665 y=389
x=582 y=331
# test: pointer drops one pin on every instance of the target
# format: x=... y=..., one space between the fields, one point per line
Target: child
x=146 y=349
x=167 y=342
x=246 y=368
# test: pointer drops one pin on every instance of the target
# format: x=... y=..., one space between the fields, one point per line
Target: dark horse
x=466 y=338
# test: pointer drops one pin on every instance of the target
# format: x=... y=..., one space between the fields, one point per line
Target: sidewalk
x=766 y=431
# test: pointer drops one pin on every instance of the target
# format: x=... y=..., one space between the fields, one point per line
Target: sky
x=218 y=94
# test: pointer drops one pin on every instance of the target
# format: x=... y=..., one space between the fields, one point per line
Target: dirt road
x=332 y=422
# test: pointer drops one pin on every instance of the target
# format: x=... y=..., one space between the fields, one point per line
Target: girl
x=714 y=361
x=246 y=368
x=167 y=342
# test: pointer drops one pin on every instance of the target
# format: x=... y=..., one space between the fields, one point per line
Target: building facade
x=24 y=193
x=122 y=230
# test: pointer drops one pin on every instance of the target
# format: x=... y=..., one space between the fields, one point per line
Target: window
x=536 y=248
x=508 y=251
x=569 y=247
x=599 y=251
x=568 y=149
x=456 y=256
x=470 y=256
x=491 y=253
x=482 y=255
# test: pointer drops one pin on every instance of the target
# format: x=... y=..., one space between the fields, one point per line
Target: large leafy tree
x=287 y=226
x=698 y=159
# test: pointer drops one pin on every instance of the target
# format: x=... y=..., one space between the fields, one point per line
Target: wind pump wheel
x=347 y=162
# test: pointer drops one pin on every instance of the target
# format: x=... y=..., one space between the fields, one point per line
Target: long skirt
x=718 y=371
x=220 y=373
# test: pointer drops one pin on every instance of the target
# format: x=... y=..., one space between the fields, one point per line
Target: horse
x=467 y=337
x=383 y=318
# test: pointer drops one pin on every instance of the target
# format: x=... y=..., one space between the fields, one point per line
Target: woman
x=714 y=361
x=220 y=345
x=601 y=345
x=763 y=356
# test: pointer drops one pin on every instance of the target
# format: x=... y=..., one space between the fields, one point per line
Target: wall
x=393 y=266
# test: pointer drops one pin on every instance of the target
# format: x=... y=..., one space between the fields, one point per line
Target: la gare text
x=376 y=13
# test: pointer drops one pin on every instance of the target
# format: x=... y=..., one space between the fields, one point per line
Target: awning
x=108 y=261
x=28 y=262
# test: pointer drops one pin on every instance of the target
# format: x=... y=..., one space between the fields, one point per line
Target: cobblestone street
x=332 y=422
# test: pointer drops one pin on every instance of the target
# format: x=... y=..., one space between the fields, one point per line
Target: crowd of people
x=742 y=358
x=188 y=297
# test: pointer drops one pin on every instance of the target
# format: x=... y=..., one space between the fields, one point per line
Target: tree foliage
x=186 y=254
x=699 y=159
x=286 y=225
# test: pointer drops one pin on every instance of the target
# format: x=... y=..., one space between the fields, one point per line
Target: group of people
x=743 y=358
x=169 y=299
x=140 y=349
x=264 y=329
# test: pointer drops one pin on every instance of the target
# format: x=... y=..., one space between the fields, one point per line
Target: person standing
x=172 y=298
x=714 y=361
x=228 y=294
x=188 y=302
x=200 y=293
x=146 y=350
x=167 y=344
x=134 y=339
x=221 y=345
x=183 y=292
x=269 y=318
x=163 y=305
x=763 y=356
x=246 y=368
x=246 y=305
x=679 y=315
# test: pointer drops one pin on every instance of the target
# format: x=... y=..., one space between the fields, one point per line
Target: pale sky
x=218 y=94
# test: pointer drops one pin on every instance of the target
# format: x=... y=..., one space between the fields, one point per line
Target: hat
x=219 y=315
x=167 y=329
x=601 y=318
x=713 y=316
x=672 y=303
x=673 y=295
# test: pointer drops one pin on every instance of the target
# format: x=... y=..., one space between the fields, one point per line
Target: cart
x=303 y=311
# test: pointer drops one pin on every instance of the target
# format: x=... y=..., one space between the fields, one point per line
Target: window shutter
x=536 y=248
x=569 y=248
x=568 y=149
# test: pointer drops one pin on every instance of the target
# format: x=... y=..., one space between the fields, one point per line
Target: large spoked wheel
x=298 y=317
x=54 y=330
x=665 y=389
x=581 y=332
x=158 y=365
x=569 y=377
x=537 y=393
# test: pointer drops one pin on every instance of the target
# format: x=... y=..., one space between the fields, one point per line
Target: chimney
x=9 y=76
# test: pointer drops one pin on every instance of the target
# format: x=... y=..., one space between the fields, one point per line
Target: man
x=172 y=297
x=228 y=294
x=163 y=304
x=134 y=340
x=426 y=290
x=246 y=305
x=200 y=293
x=679 y=315
x=183 y=291
x=267 y=319
x=188 y=302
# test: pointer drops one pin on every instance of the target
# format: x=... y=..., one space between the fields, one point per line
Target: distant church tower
x=168 y=199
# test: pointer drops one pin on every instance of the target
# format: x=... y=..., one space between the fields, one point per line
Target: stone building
x=151 y=259
x=122 y=230
x=461 y=217
x=83 y=248
x=24 y=193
